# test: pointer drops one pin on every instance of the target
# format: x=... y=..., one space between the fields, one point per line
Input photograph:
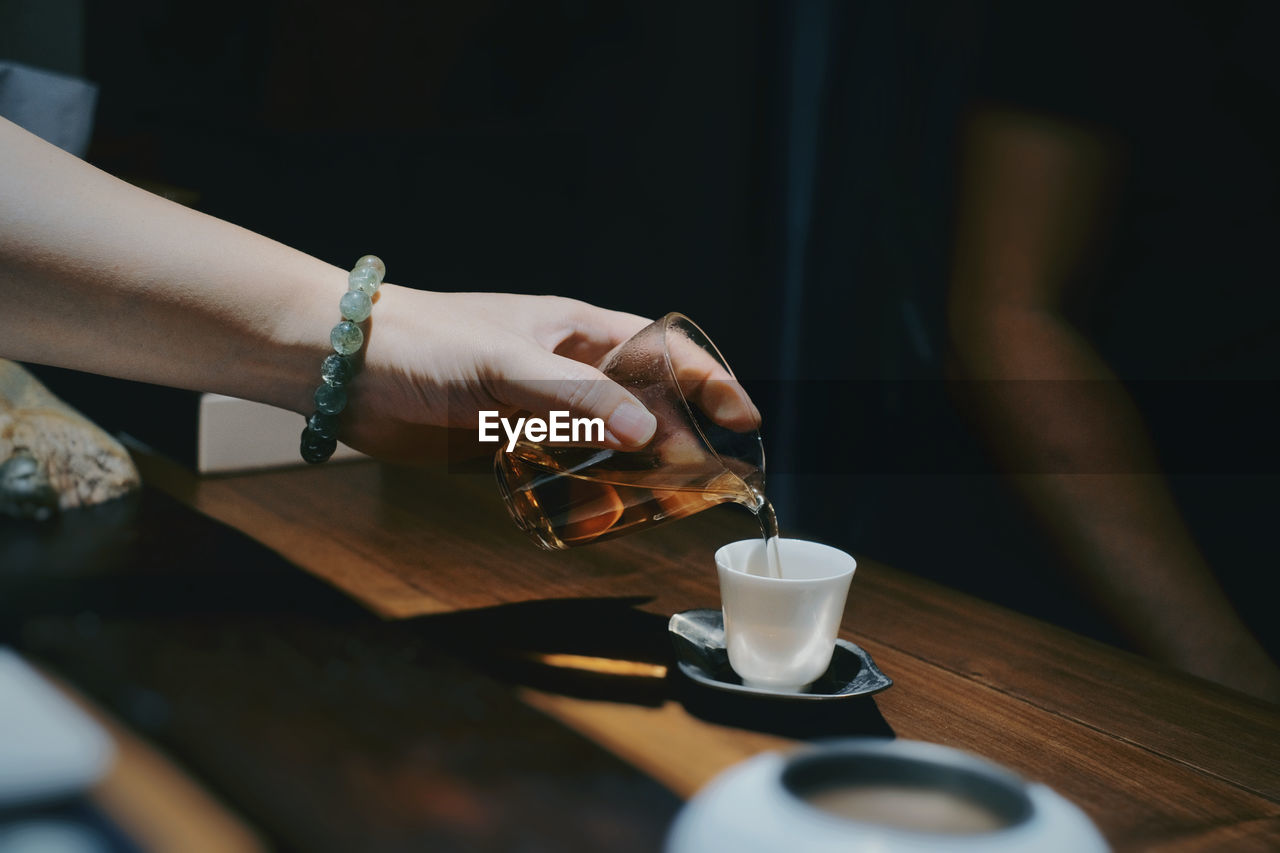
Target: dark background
x=780 y=172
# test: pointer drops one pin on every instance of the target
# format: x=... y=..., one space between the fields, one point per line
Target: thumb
x=565 y=384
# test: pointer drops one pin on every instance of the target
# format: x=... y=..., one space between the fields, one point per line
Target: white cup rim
x=722 y=561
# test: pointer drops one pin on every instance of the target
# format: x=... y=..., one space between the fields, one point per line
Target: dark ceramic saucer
x=698 y=637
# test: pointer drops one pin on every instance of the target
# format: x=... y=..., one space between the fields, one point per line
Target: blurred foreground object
x=49 y=749
x=879 y=796
x=51 y=456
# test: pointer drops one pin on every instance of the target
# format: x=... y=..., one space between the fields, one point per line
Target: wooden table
x=1159 y=760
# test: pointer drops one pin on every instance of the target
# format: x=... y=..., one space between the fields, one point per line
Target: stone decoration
x=52 y=457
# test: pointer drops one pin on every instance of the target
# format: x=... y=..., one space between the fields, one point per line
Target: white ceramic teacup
x=780 y=632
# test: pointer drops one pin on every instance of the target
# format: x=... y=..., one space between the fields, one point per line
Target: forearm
x=1077 y=450
x=1031 y=224
x=98 y=275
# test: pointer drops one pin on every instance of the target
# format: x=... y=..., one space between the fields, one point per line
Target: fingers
x=567 y=385
x=593 y=332
x=703 y=379
x=710 y=387
x=579 y=335
x=726 y=402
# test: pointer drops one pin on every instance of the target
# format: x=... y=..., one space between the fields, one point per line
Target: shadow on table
x=607 y=649
x=323 y=726
x=331 y=729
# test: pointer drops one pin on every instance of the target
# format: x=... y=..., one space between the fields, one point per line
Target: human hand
x=433 y=361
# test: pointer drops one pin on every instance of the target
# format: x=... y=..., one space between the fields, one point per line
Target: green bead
x=330 y=400
x=355 y=306
x=375 y=263
x=316 y=448
x=365 y=280
x=323 y=425
x=336 y=370
x=346 y=338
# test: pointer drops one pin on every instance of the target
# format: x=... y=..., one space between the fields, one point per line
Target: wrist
x=339 y=367
x=395 y=341
x=299 y=338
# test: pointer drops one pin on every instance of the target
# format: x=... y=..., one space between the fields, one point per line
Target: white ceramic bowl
x=758 y=806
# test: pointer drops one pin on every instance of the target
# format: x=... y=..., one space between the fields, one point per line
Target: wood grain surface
x=322 y=725
x=1158 y=759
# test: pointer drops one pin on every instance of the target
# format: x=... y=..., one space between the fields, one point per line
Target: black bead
x=325 y=426
x=315 y=447
x=336 y=370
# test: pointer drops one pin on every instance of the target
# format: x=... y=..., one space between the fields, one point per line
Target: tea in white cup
x=780 y=632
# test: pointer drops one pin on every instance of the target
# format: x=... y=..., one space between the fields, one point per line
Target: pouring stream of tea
x=768 y=525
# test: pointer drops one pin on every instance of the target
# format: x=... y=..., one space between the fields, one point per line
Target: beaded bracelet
x=320 y=436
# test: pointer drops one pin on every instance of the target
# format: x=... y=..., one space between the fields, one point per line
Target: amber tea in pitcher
x=706 y=449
